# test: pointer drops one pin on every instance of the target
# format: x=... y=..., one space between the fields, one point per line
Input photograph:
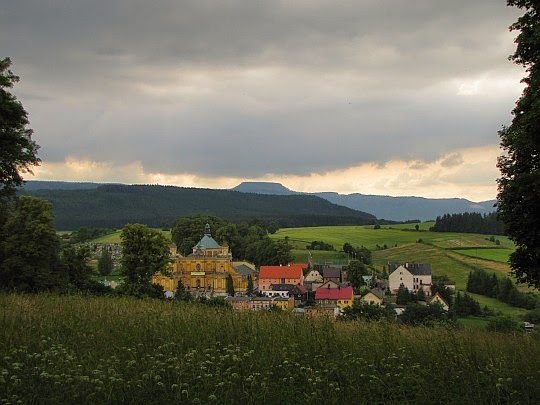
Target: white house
x=414 y=276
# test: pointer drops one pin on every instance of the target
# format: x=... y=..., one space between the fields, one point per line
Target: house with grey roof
x=414 y=276
x=374 y=297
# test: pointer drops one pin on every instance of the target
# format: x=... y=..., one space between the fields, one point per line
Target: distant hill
x=114 y=205
x=58 y=185
x=387 y=207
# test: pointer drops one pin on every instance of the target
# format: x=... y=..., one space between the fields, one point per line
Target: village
x=302 y=288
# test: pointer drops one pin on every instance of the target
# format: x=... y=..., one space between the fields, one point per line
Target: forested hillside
x=114 y=205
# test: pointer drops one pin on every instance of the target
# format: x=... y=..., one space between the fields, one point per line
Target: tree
x=187 y=231
x=503 y=324
x=369 y=312
x=416 y=314
x=17 y=149
x=230 y=286
x=347 y=248
x=355 y=270
x=250 y=288
x=105 y=262
x=75 y=262
x=421 y=295
x=181 y=294
x=33 y=246
x=145 y=252
x=403 y=295
x=519 y=185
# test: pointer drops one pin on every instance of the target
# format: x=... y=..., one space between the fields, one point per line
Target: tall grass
x=92 y=350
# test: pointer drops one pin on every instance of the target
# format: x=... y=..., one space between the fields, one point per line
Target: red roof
x=345 y=293
x=292 y=271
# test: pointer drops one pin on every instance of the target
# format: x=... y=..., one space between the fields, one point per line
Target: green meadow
x=86 y=350
x=114 y=237
x=454 y=255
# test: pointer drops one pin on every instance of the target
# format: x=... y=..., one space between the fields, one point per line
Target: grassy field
x=115 y=237
x=69 y=349
x=389 y=236
x=452 y=254
x=497 y=255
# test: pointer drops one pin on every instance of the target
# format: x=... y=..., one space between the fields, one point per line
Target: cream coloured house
x=414 y=276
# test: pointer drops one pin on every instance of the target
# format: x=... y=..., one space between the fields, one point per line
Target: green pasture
x=497 y=255
x=115 y=237
x=387 y=235
x=422 y=226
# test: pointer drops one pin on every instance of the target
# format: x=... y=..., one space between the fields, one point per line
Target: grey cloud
x=454 y=159
x=375 y=59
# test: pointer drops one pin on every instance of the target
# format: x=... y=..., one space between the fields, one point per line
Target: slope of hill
x=387 y=207
x=114 y=205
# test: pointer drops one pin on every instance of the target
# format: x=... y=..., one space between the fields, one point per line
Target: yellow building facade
x=206 y=269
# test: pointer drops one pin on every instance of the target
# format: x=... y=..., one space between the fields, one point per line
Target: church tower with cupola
x=206 y=269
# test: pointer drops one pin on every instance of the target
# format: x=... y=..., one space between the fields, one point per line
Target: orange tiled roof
x=292 y=271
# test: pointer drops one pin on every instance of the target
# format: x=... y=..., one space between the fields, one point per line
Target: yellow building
x=206 y=269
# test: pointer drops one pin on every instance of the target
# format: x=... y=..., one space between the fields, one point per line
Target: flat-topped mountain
x=261 y=187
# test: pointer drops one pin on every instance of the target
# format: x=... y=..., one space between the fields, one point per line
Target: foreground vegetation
x=93 y=350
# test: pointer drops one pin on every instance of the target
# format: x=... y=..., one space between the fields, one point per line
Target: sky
x=354 y=96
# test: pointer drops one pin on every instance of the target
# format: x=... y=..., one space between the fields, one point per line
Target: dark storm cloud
x=245 y=88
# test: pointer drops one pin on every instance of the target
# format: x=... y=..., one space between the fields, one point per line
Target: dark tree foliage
x=247 y=241
x=114 y=205
x=465 y=305
x=230 y=286
x=84 y=234
x=481 y=282
x=105 y=262
x=319 y=245
x=519 y=184
x=469 y=222
x=355 y=270
x=31 y=248
x=361 y=253
x=75 y=261
x=369 y=312
x=403 y=295
x=145 y=252
x=416 y=314
x=17 y=149
x=503 y=324
x=181 y=294
x=250 y=290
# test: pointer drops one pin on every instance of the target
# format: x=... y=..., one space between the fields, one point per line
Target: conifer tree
x=519 y=185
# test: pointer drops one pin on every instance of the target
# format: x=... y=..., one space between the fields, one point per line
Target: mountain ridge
x=386 y=207
x=115 y=205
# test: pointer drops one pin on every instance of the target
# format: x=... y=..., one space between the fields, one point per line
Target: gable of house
x=438 y=299
x=329 y=284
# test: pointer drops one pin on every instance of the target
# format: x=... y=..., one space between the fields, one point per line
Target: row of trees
x=360 y=253
x=482 y=282
x=414 y=314
x=247 y=241
x=469 y=222
x=320 y=245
